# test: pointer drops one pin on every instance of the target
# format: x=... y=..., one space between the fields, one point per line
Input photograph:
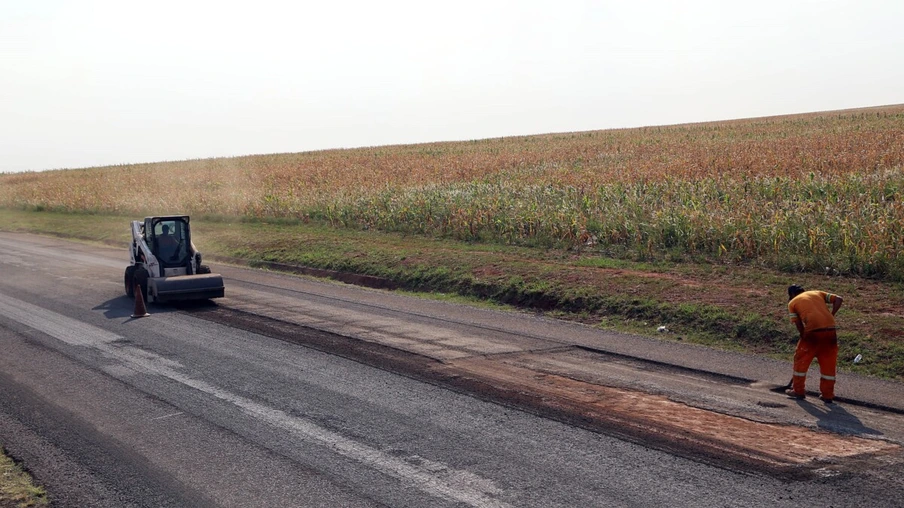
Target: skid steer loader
x=166 y=265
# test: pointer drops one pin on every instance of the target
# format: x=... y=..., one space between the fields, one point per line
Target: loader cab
x=169 y=239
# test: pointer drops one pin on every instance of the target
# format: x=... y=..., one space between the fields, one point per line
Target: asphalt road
x=266 y=399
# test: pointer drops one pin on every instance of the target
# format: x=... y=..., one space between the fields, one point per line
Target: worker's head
x=165 y=229
x=794 y=290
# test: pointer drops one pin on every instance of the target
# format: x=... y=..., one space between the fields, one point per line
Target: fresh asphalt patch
x=563 y=384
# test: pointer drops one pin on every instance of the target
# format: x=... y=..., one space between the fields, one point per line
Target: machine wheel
x=141 y=277
x=203 y=269
x=129 y=281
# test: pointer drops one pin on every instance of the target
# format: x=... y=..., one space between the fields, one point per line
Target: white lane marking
x=167 y=416
x=68 y=330
x=434 y=478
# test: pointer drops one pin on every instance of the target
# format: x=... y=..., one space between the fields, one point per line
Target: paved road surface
x=291 y=392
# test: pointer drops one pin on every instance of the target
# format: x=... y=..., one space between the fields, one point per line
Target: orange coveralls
x=819 y=340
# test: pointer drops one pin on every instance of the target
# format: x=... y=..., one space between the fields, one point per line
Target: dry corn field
x=814 y=192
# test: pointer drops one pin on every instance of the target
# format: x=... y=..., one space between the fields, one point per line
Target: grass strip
x=16 y=486
x=732 y=306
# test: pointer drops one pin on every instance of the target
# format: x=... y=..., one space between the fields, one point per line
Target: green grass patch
x=16 y=486
x=617 y=264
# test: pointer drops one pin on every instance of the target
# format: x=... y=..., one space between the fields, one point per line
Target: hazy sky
x=96 y=82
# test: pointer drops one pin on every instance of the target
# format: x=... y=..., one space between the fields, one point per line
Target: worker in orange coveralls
x=809 y=311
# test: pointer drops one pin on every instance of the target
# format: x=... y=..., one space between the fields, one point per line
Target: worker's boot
x=795 y=395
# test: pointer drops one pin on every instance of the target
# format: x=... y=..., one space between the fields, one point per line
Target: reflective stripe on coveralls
x=822 y=345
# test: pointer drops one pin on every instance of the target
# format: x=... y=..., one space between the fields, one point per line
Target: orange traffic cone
x=140 y=309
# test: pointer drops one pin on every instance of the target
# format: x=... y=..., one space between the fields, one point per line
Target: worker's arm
x=836 y=304
x=800 y=327
x=795 y=318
